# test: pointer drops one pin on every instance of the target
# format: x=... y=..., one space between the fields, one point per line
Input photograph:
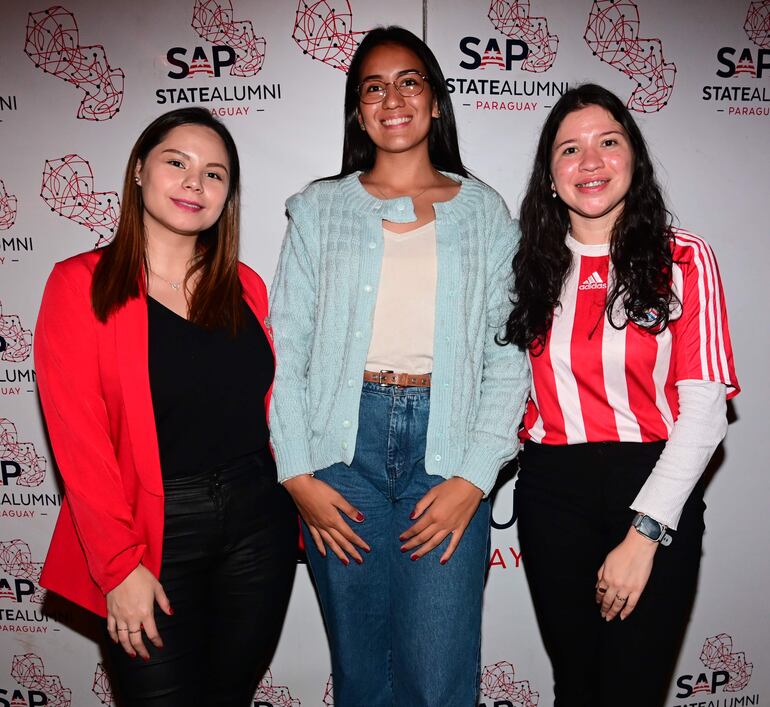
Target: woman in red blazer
x=155 y=362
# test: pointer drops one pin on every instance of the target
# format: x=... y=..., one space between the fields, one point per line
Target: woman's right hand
x=321 y=508
x=130 y=609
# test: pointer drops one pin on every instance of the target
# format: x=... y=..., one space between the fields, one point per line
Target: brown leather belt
x=402 y=380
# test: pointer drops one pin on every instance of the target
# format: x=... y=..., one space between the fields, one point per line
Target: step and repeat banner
x=79 y=82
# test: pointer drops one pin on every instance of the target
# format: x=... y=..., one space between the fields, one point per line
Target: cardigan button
x=346 y=423
x=344 y=445
x=372 y=245
x=437 y=457
x=368 y=288
x=358 y=334
x=350 y=382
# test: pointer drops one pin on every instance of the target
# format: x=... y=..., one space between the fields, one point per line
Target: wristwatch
x=650 y=528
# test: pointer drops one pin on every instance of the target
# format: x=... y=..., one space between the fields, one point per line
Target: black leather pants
x=229 y=557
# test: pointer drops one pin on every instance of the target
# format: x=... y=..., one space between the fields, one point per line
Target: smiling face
x=591 y=167
x=397 y=123
x=184 y=181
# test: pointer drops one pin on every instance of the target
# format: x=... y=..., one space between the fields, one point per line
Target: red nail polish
x=146 y=658
x=413 y=515
x=360 y=517
x=443 y=562
x=403 y=549
x=359 y=562
x=170 y=611
x=414 y=557
x=346 y=562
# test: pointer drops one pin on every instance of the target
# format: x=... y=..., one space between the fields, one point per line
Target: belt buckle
x=379 y=378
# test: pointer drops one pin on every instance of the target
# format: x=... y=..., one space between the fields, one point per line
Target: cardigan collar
x=401 y=209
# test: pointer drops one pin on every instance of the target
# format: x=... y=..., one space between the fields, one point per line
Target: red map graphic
x=68 y=188
x=612 y=34
x=717 y=654
x=497 y=683
x=276 y=695
x=101 y=686
x=8 y=203
x=325 y=34
x=213 y=21
x=15 y=340
x=53 y=44
x=28 y=670
x=757 y=23
x=32 y=465
x=328 y=700
x=514 y=21
x=16 y=560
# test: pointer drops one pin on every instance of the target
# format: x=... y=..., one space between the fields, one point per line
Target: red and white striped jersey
x=595 y=383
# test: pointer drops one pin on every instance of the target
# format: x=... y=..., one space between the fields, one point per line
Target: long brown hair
x=119 y=274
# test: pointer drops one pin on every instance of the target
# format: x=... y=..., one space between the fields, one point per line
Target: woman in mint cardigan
x=393 y=406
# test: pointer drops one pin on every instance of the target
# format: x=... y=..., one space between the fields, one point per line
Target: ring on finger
x=601 y=590
x=620 y=598
x=132 y=632
x=123 y=629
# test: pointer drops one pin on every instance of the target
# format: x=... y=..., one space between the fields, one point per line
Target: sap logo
x=515 y=50
x=745 y=63
x=9 y=470
x=689 y=684
x=16 y=698
x=16 y=589
x=222 y=56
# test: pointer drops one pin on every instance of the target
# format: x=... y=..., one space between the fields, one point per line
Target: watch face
x=649 y=527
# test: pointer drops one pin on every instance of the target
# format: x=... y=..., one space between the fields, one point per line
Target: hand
x=130 y=609
x=624 y=574
x=446 y=508
x=321 y=507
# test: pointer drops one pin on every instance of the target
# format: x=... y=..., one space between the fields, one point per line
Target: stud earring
x=553 y=191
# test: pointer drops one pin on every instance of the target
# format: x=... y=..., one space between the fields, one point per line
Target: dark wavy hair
x=119 y=273
x=359 y=152
x=640 y=243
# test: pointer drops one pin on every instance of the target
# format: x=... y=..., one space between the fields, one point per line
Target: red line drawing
x=717 y=654
x=514 y=21
x=8 y=206
x=757 y=25
x=612 y=33
x=328 y=700
x=16 y=560
x=101 y=686
x=28 y=670
x=497 y=683
x=276 y=695
x=325 y=34
x=33 y=466
x=15 y=340
x=68 y=188
x=213 y=21
x=53 y=44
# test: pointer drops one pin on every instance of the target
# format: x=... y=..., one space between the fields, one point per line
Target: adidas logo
x=593 y=282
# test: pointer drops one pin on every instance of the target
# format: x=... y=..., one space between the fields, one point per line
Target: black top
x=208 y=390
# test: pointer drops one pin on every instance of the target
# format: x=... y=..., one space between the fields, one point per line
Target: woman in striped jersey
x=624 y=321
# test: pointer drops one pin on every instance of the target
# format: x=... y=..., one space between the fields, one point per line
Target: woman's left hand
x=446 y=508
x=624 y=574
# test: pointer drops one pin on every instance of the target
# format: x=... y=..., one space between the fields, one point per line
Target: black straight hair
x=359 y=152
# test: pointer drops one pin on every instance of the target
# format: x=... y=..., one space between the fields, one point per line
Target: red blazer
x=94 y=385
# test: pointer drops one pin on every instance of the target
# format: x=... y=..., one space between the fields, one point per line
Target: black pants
x=573 y=509
x=229 y=557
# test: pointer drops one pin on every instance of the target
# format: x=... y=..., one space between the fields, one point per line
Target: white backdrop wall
x=77 y=85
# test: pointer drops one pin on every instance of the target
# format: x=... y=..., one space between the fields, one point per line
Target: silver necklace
x=173 y=285
x=384 y=196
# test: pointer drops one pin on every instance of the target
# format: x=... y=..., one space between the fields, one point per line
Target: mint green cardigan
x=322 y=306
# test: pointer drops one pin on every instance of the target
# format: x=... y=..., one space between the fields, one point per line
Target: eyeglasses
x=408 y=85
